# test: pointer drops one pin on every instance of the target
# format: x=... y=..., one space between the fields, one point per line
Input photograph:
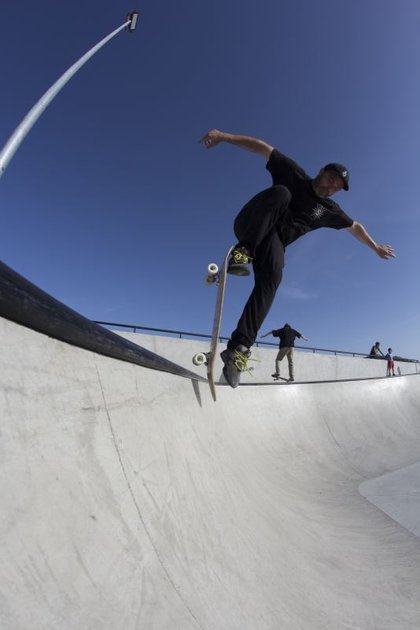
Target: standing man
x=294 y=205
x=287 y=336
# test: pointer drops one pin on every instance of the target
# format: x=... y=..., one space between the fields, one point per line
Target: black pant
x=258 y=227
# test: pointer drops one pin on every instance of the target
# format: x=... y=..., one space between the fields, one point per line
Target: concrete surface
x=309 y=366
x=129 y=500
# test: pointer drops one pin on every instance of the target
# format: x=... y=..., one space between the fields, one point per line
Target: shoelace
x=241 y=362
x=240 y=257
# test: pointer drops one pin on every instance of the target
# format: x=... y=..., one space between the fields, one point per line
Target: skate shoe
x=276 y=376
x=239 y=261
x=236 y=361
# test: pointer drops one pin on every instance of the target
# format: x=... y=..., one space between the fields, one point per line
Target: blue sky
x=113 y=207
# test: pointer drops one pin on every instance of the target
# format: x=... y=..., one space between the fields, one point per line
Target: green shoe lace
x=241 y=362
x=239 y=257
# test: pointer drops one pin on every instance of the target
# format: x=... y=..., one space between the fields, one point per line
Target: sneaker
x=236 y=361
x=276 y=375
x=239 y=261
x=291 y=379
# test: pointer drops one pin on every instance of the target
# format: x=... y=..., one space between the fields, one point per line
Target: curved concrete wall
x=308 y=366
x=130 y=500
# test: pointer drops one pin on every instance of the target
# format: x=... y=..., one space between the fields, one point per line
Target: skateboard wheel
x=199 y=359
x=212 y=274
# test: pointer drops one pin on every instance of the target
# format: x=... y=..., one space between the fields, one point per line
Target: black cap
x=341 y=170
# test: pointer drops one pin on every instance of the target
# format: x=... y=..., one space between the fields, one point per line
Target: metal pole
x=32 y=116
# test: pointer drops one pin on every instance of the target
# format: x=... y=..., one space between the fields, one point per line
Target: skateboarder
x=287 y=336
x=294 y=205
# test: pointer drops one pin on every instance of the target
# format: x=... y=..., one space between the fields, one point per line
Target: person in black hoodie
x=287 y=336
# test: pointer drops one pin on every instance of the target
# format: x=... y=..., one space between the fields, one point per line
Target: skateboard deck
x=215 y=276
x=217 y=322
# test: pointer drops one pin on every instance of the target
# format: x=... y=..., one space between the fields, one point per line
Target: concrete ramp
x=130 y=500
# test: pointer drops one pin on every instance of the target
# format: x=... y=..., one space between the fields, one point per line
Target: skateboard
x=216 y=277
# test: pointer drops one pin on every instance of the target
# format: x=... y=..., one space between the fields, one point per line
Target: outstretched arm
x=266 y=334
x=214 y=137
x=361 y=233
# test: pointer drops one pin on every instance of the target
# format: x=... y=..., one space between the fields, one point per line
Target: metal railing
x=183 y=334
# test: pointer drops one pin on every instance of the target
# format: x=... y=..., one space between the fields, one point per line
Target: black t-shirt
x=287 y=336
x=306 y=211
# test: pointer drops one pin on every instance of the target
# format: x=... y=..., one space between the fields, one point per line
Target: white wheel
x=199 y=359
x=212 y=274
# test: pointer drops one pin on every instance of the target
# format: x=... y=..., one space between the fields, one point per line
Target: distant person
x=276 y=217
x=376 y=351
x=390 y=363
x=287 y=336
